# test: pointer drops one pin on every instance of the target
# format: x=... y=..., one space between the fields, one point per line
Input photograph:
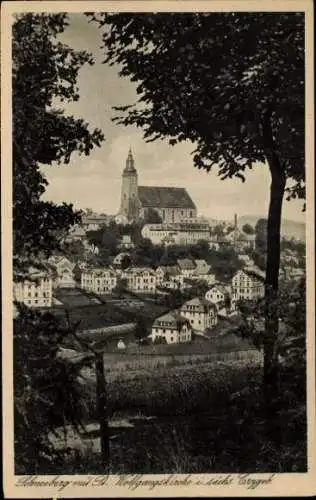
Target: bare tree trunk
x=271 y=369
x=271 y=372
x=102 y=409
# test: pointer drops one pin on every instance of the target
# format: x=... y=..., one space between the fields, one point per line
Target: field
x=189 y=419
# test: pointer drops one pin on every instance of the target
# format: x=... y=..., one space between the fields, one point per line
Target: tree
x=47 y=389
x=290 y=345
x=126 y=262
x=121 y=286
x=218 y=230
x=248 y=229
x=261 y=230
x=44 y=72
x=141 y=331
x=152 y=217
x=232 y=84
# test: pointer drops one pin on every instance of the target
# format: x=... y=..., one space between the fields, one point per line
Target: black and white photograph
x=158 y=192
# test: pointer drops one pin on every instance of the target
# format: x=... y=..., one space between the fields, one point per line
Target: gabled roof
x=198 y=302
x=164 y=197
x=256 y=273
x=186 y=264
x=172 y=317
x=202 y=266
x=221 y=288
x=171 y=270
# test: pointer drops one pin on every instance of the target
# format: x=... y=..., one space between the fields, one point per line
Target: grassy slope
x=208 y=419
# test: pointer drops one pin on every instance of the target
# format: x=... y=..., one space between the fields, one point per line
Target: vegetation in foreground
x=207 y=418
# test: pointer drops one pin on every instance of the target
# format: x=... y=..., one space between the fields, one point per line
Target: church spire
x=130 y=167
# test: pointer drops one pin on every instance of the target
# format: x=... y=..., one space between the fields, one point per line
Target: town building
x=186 y=232
x=248 y=284
x=93 y=222
x=172 y=204
x=171 y=328
x=169 y=277
x=217 y=242
x=100 y=281
x=201 y=313
x=203 y=272
x=36 y=290
x=64 y=276
x=240 y=240
x=223 y=297
x=140 y=279
x=126 y=243
x=76 y=233
x=292 y=273
x=187 y=267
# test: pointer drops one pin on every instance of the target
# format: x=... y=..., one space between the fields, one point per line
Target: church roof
x=164 y=197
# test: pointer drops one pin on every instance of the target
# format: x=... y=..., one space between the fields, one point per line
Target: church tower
x=129 y=193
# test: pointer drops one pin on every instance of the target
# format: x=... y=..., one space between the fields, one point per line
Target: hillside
x=289 y=229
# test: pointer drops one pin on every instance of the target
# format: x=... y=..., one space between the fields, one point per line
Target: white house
x=140 y=279
x=126 y=243
x=36 y=291
x=172 y=328
x=203 y=272
x=185 y=232
x=201 y=313
x=248 y=284
x=99 y=280
x=201 y=267
x=187 y=267
x=64 y=271
x=169 y=277
x=223 y=297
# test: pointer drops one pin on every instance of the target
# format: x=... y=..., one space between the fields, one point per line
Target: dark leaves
x=210 y=78
x=43 y=69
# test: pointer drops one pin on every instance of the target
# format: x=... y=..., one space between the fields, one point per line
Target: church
x=173 y=204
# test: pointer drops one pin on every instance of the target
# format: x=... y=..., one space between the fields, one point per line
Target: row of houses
x=143 y=279
x=200 y=315
x=37 y=290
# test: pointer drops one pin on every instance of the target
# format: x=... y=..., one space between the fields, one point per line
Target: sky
x=95 y=181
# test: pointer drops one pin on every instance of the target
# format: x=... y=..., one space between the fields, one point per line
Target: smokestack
x=235 y=221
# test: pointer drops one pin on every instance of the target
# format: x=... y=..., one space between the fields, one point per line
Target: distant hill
x=289 y=228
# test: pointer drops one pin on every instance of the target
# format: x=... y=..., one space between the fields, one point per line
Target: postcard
x=158 y=255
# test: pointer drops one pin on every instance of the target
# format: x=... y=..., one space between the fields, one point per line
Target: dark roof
x=164 y=197
x=186 y=264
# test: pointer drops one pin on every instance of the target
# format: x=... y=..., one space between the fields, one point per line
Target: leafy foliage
x=217 y=80
x=47 y=388
x=290 y=308
x=44 y=72
x=152 y=217
x=248 y=229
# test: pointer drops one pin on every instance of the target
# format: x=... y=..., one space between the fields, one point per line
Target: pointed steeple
x=130 y=162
